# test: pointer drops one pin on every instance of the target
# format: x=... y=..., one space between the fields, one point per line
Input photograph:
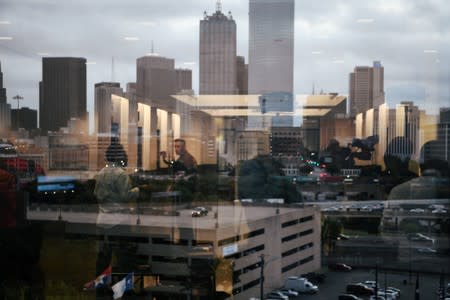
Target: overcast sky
x=411 y=38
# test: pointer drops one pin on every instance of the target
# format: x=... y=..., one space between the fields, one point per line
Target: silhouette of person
x=397 y=160
x=433 y=182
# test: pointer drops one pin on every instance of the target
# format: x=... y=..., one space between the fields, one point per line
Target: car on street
x=419 y=237
x=199 y=212
x=339 y=267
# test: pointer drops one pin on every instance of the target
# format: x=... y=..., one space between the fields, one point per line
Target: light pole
x=18 y=98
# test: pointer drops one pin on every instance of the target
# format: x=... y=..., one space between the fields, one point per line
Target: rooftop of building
x=227 y=216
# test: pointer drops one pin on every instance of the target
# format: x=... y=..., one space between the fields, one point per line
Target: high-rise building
x=366 y=88
x=218 y=54
x=24 y=118
x=443 y=134
x=184 y=80
x=103 y=105
x=271 y=46
x=5 y=108
x=156 y=79
x=62 y=94
x=242 y=75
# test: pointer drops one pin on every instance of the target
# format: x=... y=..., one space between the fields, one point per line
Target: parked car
x=315 y=277
x=359 y=289
x=199 y=212
x=426 y=250
x=348 y=297
x=288 y=292
x=277 y=295
x=417 y=210
x=339 y=267
x=439 y=211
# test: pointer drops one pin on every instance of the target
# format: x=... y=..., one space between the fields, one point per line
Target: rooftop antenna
x=218 y=6
x=153 y=48
x=313 y=88
x=112 y=69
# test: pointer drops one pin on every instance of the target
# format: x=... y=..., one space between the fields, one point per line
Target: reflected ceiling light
x=91 y=63
x=430 y=51
x=338 y=61
x=316 y=52
x=5 y=23
x=152 y=54
x=5 y=38
x=131 y=38
x=43 y=53
x=147 y=23
x=190 y=63
x=367 y=20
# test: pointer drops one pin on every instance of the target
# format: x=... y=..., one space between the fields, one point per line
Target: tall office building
x=242 y=75
x=156 y=79
x=271 y=46
x=184 y=80
x=366 y=88
x=218 y=54
x=62 y=94
x=103 y=105
x=5 y=108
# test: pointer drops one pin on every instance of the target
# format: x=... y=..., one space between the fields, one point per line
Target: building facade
x=218 y=68
x=24 y=118
x=271 y=46
x=226 y=247
x=62 y=93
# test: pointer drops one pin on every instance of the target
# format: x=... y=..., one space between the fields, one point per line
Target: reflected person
x=185 y=163
x=115 y=195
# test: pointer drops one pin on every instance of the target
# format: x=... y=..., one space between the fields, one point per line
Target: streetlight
x=18 y=98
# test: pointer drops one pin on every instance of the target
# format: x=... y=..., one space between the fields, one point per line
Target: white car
x=439 y=211
x=289 y=292
x=417 y=210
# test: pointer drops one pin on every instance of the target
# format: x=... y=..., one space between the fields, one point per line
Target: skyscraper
x=156 y=79
x=62 y=94
x=271 y=46
x=5 y=108
x=184 y=80
x=218 y=73
x=366 y=88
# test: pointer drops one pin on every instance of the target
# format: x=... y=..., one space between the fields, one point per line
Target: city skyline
x=330 y=40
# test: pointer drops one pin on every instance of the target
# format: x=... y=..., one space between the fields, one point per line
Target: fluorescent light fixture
x=91 y=63
x=131 y=38
x=367 y=20
x=316 y=52
x=430 y=51
x=5 y=38
x=5 y=23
